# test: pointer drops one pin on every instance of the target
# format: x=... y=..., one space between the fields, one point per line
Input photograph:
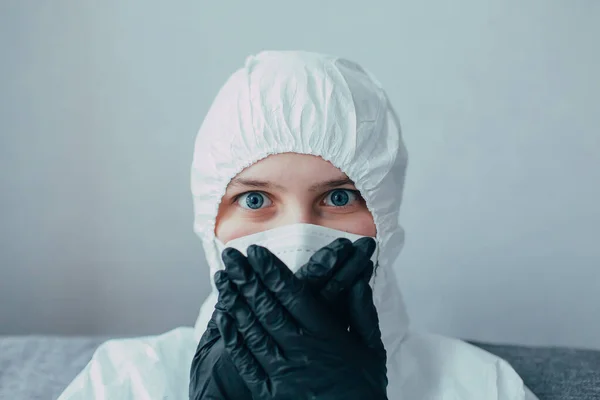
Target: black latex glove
x=330 y=273
x=286 y=345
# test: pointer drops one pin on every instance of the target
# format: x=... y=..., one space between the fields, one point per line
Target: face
x=290 y=188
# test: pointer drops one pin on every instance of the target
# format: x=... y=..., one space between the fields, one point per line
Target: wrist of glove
x=286 y=336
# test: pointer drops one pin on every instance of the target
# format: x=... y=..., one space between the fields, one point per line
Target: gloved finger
x=257 y=340
x=325 y=263
x=262 y=303
x=354 y=267
x=364 y=320
x=291 y=292
x=247 y=366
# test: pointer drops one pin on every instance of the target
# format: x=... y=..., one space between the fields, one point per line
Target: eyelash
x=236 y=198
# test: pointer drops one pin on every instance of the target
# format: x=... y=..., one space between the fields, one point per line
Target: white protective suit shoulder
x=329 y=107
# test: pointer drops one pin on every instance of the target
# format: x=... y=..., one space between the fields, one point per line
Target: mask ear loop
x=394 y=114
x=396 y=120
x=391 y=111
x=390 y=107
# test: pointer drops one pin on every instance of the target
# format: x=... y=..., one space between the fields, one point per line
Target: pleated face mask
x=293 y=244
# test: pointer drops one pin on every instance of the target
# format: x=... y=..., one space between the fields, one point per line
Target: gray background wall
x=100 y=103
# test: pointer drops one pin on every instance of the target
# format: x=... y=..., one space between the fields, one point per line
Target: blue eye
x=253 y=200
x=340 y=198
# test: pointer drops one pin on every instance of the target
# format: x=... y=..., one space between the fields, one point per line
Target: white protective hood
x=330 y=107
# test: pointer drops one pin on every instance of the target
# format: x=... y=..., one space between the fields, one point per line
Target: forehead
x=292 y=167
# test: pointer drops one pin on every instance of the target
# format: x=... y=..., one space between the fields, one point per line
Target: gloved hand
x=330 y=273
x=285 y=344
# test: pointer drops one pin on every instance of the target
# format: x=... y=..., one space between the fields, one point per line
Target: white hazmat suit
x=321 y=105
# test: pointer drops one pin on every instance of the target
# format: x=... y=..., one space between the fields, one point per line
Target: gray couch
x=554 y=373
x=37 y=367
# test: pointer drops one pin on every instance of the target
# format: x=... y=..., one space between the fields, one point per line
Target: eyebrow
x=255 y=183
x=330 y=184
x=258 y=184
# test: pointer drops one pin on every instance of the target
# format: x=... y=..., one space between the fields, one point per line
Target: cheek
x=231 y=229
x=359 y=223
x=230 y=225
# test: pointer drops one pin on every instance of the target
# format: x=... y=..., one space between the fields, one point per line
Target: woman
x=295 y=152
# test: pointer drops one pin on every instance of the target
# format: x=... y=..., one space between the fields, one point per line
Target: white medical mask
x=293 y=244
